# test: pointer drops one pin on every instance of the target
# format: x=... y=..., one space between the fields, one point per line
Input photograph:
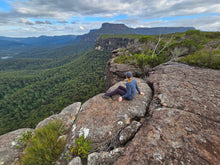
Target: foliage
x=160 y=49
x=45 y=148
x=146 y=39
x=34 y=64
x=26 y=137
x=141 y=60
x=27 y=97
x=82 y=147
x=204 y=58
x=67 y=155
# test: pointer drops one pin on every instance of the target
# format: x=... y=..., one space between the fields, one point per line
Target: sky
x=28 y=18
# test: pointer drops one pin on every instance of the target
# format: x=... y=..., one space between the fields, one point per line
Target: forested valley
x=33 y=89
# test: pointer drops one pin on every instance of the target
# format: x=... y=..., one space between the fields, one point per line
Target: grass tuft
x=44 y=147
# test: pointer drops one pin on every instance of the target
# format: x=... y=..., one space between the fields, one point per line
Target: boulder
x=9 y=150
x=128 y=132
x=101 y=120
x=116 y=72
x=76 y=161
x=105 y=158
x=67 y=116
x=184 y=123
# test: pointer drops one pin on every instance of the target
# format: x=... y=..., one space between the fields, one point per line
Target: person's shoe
x=105 y=96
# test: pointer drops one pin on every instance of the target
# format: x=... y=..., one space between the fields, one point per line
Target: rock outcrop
x=116 y=72
x=9 y=146
x=109 y=123
x=101 y=120
x=111 y=44
x=105 y=158
x=67 y=116
x=184 y=127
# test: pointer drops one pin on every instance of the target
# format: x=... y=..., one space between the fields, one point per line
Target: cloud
x=43 y=22
x=138 y=13
x=142 y=8
x=64 y=22
x=81 y=27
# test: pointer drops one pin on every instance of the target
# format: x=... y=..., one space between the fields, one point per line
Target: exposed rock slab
x=105 y=158
x=100 y=120
x=76 y=161
x=184 y=127
x=67 y=116
x=128 y=132
x=9 y=153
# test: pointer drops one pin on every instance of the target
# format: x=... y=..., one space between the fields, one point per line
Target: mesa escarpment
x=176 y=122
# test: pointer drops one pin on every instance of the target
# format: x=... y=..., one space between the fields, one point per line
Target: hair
x=129 y=79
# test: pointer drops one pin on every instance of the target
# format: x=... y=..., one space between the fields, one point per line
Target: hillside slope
x=29 y=96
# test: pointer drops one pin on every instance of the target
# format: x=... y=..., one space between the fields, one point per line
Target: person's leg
x=121 y=91
x=122 y=88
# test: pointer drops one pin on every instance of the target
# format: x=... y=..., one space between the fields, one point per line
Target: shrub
x=145 y=39
x=26 y=137
x=192 y=32
x=82 y=147
x=212 y=35
x=45 y=148
x=210 y=59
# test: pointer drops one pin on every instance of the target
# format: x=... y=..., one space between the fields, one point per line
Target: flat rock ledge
x=184 y=127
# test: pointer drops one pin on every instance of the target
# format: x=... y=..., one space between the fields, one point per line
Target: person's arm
x=140 y=93
x=138 y=88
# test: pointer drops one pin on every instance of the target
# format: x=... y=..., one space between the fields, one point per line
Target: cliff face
x=111 y=44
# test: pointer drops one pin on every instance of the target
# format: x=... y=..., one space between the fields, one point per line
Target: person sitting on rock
x=126 y=93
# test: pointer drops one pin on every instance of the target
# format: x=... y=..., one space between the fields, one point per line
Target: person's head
x=128 y=75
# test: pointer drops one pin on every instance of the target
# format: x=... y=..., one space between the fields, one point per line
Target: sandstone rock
x=184 y=127
x=116 y=72
x=73 y=108
x=113 y=43
x=67 y=115
x=128 y=132
x=101 y=120
x=9 y=152
x=76 y=161
x=104 y=158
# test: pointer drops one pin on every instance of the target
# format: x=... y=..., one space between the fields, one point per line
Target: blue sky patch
x=4 y=6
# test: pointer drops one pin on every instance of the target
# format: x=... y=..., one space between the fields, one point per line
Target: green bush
x=141 y=60
x=82 y=147
x=190 y=42
x=145 y=39
x=26 y=137
x=210 y=59
x=150 y=60
x=45 y=148
x=192 y=32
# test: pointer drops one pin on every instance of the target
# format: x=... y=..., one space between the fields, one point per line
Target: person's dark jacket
x=131 y=90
